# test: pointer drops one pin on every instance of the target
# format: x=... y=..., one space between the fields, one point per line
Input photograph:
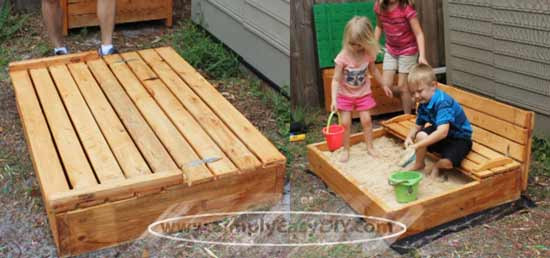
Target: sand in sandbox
x=372 y=174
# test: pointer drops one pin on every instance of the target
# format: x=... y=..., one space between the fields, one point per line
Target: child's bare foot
x=418 y=167
x=434 y=174
x=345 y=156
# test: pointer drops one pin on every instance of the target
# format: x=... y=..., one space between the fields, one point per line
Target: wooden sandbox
x=493 y=173
x=118 y=140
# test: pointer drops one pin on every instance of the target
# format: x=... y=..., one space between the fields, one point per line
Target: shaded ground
x=24 y=229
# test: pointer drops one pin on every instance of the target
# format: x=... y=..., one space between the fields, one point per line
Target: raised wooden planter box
x=117 y=141
x=384 y=104
x=496 y=169
x=82 y=13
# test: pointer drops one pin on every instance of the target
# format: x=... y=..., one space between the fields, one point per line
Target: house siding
x=257 y=30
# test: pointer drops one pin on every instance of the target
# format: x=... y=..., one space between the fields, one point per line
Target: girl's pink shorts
x=346 y=103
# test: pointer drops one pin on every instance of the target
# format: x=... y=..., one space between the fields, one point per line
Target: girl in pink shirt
x=351 y=84
x=404 y=43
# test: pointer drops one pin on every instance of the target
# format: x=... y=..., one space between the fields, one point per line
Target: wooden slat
x=476 y=157
x=46 y=163
x=124 y=149
x=186 y=124
x=99 y=154
x=54 y=60
x=484 y=151
x=491 y=107
x=250 y=135
x=527 y=164
x=399 y=129
x=74 y=160
x=152 y=150
x=171 y=138
x=112 y=191
x=503 y=128
x=501 y=169
x=501 y=161
x=498 y=143
x=220 y=133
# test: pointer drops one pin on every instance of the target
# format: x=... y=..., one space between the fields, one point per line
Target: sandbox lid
x=109 y=128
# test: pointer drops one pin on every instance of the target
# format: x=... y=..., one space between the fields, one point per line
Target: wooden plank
x=491 y=107
x=188 y=127
x=498 y=143
x=124 y=149
x=170 y=137
x=501 y=161
x=112 y=223
x=54 y=60
x=399 y=118
x=476 y=157
x=249 y=134
x=111 y=191
x=150 y=147
x=47 y=165
x=526 y=166
x=397 y=128
x=477 y=196
x=505 y=129
x=212 y=124
x=76 y=165
x=484 y=151
x=510 y=166
x=99 y=154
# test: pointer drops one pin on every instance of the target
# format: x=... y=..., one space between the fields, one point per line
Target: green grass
x=541 y=154
x=10 y=23
x=204 y=52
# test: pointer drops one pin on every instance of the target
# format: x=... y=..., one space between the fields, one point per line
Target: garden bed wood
x=496 y=169
x=118 y=140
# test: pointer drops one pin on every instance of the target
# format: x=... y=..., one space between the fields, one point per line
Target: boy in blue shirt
x=449 y=133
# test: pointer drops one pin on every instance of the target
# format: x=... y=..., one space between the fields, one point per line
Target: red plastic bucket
x=334 y=134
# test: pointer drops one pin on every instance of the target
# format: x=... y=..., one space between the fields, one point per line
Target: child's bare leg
x=346 y=122
x=366 y=122
x=419 y=164
x=440 y=164
x=406 y=98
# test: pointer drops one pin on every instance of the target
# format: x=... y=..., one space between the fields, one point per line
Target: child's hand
x=333 y=107
x=408 y=142
x=388 y=91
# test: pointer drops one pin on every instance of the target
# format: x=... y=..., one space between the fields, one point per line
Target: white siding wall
x=258 y=30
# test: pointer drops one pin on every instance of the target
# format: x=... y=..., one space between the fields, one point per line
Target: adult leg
x=346 y=122
x=106 y=15
x=53 y=19
x=366 y=122
x=420 y=152
x=406 y=98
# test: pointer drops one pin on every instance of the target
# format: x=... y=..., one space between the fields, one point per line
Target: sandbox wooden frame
x=152 y=172
x=498 y=166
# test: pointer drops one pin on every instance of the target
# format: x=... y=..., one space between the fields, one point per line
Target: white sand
x=373 y=174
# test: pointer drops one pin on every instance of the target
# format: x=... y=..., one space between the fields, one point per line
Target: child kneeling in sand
x=449 y=133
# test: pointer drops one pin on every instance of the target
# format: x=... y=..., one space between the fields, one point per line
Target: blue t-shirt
x=443 y=109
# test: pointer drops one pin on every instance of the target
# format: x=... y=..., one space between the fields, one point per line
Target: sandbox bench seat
x=501 y=135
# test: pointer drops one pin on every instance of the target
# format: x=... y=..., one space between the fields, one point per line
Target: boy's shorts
x=346 y=103
x=402 y=64
x=453 y=149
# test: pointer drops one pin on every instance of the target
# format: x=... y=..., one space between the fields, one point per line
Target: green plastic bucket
x=405 y=185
